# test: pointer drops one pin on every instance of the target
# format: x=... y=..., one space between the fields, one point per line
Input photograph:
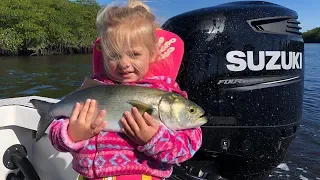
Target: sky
x=308 y=10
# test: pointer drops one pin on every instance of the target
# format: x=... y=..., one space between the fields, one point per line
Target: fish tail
x=43 y=108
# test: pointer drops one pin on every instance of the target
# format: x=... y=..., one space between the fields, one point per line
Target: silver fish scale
x=111 y=98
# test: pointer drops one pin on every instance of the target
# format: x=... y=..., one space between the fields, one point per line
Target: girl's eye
x=115 y=57
x=134 y=55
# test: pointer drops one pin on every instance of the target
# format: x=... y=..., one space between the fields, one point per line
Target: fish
x=173 y=110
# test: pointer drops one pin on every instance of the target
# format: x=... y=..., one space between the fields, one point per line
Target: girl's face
x=131 y=66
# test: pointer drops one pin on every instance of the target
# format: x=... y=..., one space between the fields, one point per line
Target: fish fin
x=43 y=108
x=87 y=83
x=142 y=107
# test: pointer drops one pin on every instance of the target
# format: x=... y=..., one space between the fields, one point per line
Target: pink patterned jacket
x=111 y=154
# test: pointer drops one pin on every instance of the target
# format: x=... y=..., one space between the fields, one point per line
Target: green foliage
x=47 y=26
x=312 y=36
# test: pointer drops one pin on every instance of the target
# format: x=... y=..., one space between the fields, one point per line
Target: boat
x=21 y=155
x=243 y=63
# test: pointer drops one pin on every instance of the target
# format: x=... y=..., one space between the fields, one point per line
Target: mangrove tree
x=46 y=27
x=312 y=36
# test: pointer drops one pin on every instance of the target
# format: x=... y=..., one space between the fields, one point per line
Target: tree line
x=312 y=36
x=46 y=27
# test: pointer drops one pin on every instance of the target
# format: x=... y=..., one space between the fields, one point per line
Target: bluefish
x=171 y=109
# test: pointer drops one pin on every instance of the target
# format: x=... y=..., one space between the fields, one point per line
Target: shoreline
x=26 y=55
x=72 y=54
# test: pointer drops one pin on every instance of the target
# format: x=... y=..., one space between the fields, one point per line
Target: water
x=303 y=159
x=53 y=76
x=58 y=75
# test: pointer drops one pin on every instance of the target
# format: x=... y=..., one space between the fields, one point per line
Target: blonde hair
x=121 y=26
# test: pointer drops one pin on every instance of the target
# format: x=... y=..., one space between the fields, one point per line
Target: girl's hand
x=139 y=128
x=82 y=125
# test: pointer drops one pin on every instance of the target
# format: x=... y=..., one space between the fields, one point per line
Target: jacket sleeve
x=173 y=147
x=60 y=139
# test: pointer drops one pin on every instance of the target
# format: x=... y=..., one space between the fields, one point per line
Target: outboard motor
x=244 y=64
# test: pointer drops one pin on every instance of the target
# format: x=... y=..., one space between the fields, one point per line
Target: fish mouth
x=201 y=119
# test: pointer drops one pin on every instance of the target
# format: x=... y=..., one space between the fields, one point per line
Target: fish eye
x=192 y=110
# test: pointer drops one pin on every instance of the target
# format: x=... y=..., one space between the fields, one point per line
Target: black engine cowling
x=244 y=64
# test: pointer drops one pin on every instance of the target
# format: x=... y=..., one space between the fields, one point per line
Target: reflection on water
x=42 y=76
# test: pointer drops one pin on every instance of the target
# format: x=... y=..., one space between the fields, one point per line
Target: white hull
x=18 y=124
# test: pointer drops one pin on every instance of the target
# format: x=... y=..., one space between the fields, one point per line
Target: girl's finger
x=138 y=118
x=149 y=120
x=99 y=119
x=100 y=127
x=75 y=113
x=84 y=110
x=128 y=135
x=127 y=129
x=131 y=122
x=91 y=111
